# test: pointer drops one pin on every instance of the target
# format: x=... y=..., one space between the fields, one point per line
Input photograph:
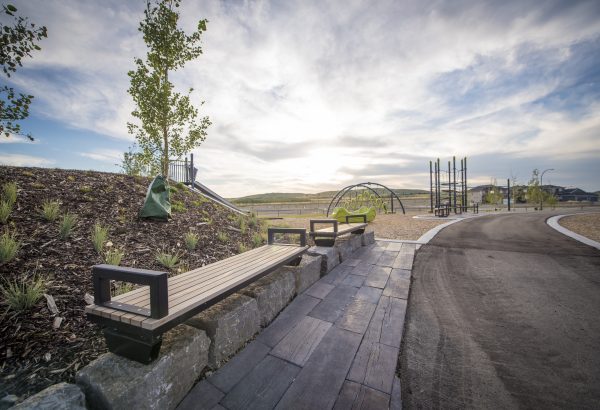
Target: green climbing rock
x=157 y=204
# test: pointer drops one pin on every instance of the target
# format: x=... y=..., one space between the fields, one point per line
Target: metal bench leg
x=132 y=346
x=329 y=242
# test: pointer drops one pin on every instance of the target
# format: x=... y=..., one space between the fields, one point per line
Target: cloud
x=311 y=95
x=105 y=155
x=16 y=139
x=20 y=160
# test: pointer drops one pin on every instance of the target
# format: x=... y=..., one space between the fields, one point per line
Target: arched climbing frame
x=371 y=186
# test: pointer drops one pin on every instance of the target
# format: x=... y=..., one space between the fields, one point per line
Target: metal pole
x=508 y=183
x=454 y=183
x=449 y=185
x=430 y=188
x=192 y=176
x=466 y=186
x=541 y=187
x=439 y=184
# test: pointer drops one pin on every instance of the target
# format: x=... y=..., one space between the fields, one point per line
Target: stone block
x=272 y=293
x=330 y=257
x=114 y=382
x=344 y=247
x=62 y=396
x=368 y=238
x=307 y=272
x=229 y=324
x=355 y=242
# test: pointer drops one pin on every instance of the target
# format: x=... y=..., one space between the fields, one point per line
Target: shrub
x=113 y=256
x=241 y=222
x=167 y=260
x=173 y=189
x=5 y=210
x=177 y=206
x=27 y=174
x=9 y=247
x=121 y=287
x=9 y=192
x=257 y=240
x=50 y=210
x=70 y=178
x=222 y=237
x=191 y=240
x=22 y=295
x=99 y=234
x=180 y=185
x=242 y=248
x=253 y=221
x=66 y=225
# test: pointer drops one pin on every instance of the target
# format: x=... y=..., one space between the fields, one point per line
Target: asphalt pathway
x=504 y=312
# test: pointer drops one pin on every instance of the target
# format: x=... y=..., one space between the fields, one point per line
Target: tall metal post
x=508 y=184
x=430 y=188
x=439 y=184
x=192 y=176
x=466 y=186
x=454 y=182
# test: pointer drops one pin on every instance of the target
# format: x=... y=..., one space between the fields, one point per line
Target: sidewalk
x=335 y=346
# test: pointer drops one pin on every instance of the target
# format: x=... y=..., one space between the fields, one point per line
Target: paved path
x=335 y=346
x=504 y=312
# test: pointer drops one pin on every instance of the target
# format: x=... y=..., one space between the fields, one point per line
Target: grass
x=120 y=288
x=50 y=210
x=9 y=192
x=191 y=241
x=99 y=234
x=242 y=248
x=5 y=210
x=222 y=237
x=22 y=295
x=167 y=260
x=66 y=225
x=85 y=189
x=257 y=240
x=9 y=247
x=253 y=221
x=177 y=206
x=242 y=224
x=113 y=256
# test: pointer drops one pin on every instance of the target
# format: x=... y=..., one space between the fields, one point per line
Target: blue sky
x=306 y=96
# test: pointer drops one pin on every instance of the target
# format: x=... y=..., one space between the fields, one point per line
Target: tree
x=534 y=191
x=494 y=195
x=168 y=123
x=17 y=41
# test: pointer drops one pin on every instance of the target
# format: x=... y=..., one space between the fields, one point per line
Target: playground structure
x=448 y=189
x=353 y=191
x=185 y=172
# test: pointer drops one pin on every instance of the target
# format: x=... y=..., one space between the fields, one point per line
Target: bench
x=326 y=236
x=442 y=211
x=135 y=321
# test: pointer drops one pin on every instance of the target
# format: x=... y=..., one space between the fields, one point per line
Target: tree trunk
x=165 y=160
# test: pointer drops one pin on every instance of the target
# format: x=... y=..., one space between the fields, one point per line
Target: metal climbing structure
x=448 y=188
x=380 y=191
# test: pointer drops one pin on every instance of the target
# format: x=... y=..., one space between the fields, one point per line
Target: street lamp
x=542 y=187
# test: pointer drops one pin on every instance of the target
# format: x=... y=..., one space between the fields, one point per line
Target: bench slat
x=342 y=229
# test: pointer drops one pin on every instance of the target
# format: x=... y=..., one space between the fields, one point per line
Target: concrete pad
x=375 y=366
x=319 y=290
x=300 y=342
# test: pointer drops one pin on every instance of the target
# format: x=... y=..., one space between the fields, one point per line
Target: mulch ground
x=34 y=352
x=587 y=225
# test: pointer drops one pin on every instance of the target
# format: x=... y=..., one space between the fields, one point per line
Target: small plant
x=37 y=185
x=183 y=267
x=177 y=206
x=66 y=225
x=242 y=248
x=9 y=247
x=113 y=256
x=257 y=240
x=9 y=192
x=27 y=174
x=50 y=210
x=191 y=240
x=253 y=221
x=5 y=210
x=167 y=260
x=70 y=178
x=99 y=234
x=22 y=295
x=180 y=185
x=241 y=222
x=121 y=287
x=85 y=189
x=173 y=189
x=222 y=237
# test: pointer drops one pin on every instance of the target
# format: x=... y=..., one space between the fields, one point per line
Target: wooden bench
x=326 y=236
x=442 y=211
x=135 y=321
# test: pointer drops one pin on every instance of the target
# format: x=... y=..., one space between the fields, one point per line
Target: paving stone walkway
x=335 y=346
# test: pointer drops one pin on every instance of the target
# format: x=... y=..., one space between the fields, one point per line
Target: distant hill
x=279 y=197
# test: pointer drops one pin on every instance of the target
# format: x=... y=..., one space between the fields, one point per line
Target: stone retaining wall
x=206 y=340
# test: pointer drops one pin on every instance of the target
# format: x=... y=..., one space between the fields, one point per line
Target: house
x=574 y=194
x=478 y=193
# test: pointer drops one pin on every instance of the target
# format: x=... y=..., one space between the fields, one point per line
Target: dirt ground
x=587 y=225
x=391 y=226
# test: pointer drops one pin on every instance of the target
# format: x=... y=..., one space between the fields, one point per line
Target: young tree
x=534 y=191
x=16 y=42
x=494 y=195
x=168 y=123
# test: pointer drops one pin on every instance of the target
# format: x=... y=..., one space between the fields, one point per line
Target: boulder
x=114 y=382
x=368 y=238
x=229 y=324
x=62 y=396
x=272 y=293
x=330 y=257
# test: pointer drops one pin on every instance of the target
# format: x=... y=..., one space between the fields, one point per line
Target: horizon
x=307 y=97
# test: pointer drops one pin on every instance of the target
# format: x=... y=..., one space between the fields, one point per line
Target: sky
x=307 y=96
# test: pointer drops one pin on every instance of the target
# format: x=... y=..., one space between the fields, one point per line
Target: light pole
x=542 y=187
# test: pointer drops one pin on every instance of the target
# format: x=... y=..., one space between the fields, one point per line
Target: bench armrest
x=159 y=299
x=333 y=222
x=299 y=231
x=364 y=218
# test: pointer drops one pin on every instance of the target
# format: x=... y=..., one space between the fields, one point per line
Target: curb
x=553 y=223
